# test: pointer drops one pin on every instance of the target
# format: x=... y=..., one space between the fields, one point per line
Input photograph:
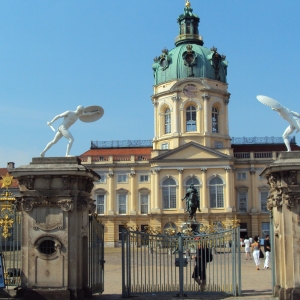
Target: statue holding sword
x=88 y=114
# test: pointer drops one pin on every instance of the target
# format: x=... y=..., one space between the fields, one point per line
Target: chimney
x=10 y=165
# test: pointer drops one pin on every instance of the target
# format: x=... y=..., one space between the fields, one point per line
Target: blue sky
x=55 y=55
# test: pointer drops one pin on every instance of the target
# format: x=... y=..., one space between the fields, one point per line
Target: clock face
x=190 y=90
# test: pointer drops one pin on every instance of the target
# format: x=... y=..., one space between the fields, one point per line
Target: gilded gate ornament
x=7 y=201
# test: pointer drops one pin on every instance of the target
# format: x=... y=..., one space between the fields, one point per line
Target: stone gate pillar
x=55 y=203
x=284 y=202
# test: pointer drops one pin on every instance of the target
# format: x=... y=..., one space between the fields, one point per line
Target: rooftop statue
x=88 y=114
x=291 y=116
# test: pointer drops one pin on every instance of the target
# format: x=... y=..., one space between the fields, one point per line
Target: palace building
x=142 y=182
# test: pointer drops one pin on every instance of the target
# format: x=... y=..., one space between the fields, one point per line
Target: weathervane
x=188 y=4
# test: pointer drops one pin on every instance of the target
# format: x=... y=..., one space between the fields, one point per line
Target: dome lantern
x=188 y=27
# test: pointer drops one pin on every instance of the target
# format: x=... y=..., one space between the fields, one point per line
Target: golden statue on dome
x=188 y=4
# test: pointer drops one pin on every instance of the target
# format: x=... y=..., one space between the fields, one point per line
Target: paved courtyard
x=255 y=284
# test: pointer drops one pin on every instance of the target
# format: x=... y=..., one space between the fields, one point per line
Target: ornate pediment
x=192 y=151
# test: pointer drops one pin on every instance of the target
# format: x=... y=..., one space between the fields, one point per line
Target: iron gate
x=10 y=239
x=162 y=263
x=96 y=255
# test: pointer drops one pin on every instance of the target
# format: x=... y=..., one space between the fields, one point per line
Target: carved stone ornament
x=68 y=183
x=28 y=204
x=27 y=182
x=280 y=189
x=66 y=204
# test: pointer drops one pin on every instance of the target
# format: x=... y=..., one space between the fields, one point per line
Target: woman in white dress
x=255 y=249
x=247 y=248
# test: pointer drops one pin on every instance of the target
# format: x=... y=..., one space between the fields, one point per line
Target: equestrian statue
x=192 y=202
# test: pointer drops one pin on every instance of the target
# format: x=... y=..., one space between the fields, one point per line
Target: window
x=102 y=179
x=122 y=178
x=120 y=232
x=265 y=229
x=144 y=204
x=165 y=146
x=169 y=193
x=122 y=201
x=100 y=204
x=218 y=145
x=215 y=121
x=241 y=176
x=167 y=121
x=191 y=119
x=242 y=201
x=263 y=201
x=144 y=178
x=216 y=193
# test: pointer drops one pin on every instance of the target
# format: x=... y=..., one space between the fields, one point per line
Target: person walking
x=247 y=248
x=255 y=250
x=201 y=259
x=267 y=248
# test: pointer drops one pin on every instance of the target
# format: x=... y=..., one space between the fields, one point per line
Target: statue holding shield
x=88 y=114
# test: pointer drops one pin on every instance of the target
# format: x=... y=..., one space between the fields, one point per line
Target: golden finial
x=7 y=181
x=188 y=4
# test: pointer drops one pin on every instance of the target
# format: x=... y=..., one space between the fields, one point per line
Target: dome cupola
x=189 y=58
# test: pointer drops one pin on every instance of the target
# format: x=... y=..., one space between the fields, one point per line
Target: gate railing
x=96 y=255
x=162 y=263
x=10 y=235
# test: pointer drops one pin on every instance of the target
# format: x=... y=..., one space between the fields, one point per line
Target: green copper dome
x=190 y=58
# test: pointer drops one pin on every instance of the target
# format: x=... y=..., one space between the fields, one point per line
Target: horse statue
x=192 y=202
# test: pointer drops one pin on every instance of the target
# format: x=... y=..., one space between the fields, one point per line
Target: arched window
x=169 y=193
x=216 y=193
x=167 y=121
x=215 y=120
x=191 y=119
x=194 y=181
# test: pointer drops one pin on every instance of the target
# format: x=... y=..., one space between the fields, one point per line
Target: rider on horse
x=191 y=197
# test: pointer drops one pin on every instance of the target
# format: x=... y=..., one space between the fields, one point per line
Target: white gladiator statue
x=88 y=114
x=291 y=116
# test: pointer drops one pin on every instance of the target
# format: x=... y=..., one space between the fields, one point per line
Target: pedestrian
x=267 y=248
x=241 y=243
x=255 y=252
x=250 y=240
x=247 y=248
x=203 y=256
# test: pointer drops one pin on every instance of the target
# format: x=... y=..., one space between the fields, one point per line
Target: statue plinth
x=55 y=203
x=284 y=202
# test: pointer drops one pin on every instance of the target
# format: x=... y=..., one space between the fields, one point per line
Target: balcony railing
x=262 y=154
x=242 y=154
x=112 y=158
x=256 y=155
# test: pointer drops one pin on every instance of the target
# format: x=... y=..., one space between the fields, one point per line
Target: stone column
x=132 y=207
x=175 y=116
x=157 y=203
x=55 y=203
x=228 y=205
x=111 y=202
x=284 y=202
x=204 y=197
x=205 y=98
x=180 y=191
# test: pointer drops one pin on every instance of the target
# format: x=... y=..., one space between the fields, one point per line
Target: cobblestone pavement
x=255 y=284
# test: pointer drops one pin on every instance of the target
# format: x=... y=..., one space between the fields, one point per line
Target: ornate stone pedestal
x=284 y=202
x=55 y=203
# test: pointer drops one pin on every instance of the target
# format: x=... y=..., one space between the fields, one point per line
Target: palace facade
x=142 y=182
